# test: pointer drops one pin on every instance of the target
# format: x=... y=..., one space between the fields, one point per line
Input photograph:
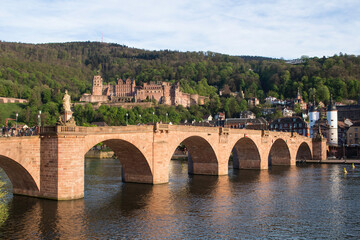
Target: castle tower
x=332 y=118
x=314 y=115
x=97 y=88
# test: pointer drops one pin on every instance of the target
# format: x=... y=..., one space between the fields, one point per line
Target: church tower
x=332 y=118
x=313 y=117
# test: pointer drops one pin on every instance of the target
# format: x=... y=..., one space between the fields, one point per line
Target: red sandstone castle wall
x=162 y=92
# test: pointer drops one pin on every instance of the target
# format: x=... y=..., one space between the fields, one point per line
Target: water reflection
x=304 y=201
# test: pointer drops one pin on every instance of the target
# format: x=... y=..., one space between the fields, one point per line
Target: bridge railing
x=50 y=130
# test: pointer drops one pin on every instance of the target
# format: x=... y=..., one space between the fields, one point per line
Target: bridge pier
x=319 y=148
x=62 y=167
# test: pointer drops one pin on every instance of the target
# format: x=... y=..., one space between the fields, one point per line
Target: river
x=308 y=201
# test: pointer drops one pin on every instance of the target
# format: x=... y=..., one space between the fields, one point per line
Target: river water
x=306 y=201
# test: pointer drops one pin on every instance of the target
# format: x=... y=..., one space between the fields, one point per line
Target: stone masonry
x=52 y=165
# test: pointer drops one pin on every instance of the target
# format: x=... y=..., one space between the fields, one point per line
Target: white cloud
x=276 y=28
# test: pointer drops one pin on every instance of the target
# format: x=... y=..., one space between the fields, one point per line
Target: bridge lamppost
x=140 y=118
x=16 y=120
x=153 y=117
x=166 y=118
x=39 y=118
x=127 y=118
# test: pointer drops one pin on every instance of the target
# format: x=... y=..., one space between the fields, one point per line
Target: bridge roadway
x=52 y=165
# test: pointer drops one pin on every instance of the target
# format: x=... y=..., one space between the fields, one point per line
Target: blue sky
x=273 y=28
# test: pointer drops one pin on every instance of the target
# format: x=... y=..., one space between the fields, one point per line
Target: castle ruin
x=127 y=91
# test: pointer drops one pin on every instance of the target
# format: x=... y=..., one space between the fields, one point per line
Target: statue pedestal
x=66 y=119
x=66 y=116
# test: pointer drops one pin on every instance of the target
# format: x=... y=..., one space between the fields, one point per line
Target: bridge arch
x=202 y=158
x=303 y=152
x=135 y=166
x=246 y=154
x=279 y=153
x=21 y=179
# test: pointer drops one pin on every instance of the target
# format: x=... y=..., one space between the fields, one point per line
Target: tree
x=297 y=109
x=3 y=205
x=323 y=94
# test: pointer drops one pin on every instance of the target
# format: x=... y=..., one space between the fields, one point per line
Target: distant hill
x=25 y=68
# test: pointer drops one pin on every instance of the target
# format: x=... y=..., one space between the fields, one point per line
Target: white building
x=287 y=112
x=314 y=116
x=332 y=119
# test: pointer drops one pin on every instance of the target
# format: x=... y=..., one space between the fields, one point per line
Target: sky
x=285 y=29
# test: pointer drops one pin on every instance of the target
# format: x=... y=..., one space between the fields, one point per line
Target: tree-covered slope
x=41 y=73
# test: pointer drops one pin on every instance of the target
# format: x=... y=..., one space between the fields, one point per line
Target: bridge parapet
x=79 y=130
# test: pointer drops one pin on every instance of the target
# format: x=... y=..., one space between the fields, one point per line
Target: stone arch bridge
x=52 y=165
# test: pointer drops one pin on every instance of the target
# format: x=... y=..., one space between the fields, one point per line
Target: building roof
x=331 y=106
x=288 y=120
x=313 y=108
x=260 y=120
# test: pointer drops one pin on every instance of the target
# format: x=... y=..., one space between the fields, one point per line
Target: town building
x=247 y=114
x=253 y=102
x=352 y=135
x=208 y=118
x=268 y=111
x=349 y=112
x=299 y=101
x=12 y=100
x=287 y=112
x=290 y=124
x=274 y=101
x=127 y=91
x=248 y=123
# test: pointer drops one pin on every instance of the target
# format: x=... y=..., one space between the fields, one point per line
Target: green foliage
x=9 y=110
x=41 y=73
x=3 y=203
x=323 y=94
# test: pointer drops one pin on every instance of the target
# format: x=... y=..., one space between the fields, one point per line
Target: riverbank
x=335 y=161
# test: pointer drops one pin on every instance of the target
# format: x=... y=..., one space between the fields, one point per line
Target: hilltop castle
x=127 y=91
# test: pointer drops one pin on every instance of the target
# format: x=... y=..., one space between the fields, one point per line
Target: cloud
x=274 y=28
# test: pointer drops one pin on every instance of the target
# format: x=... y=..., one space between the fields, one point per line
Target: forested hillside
x=40 y=72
